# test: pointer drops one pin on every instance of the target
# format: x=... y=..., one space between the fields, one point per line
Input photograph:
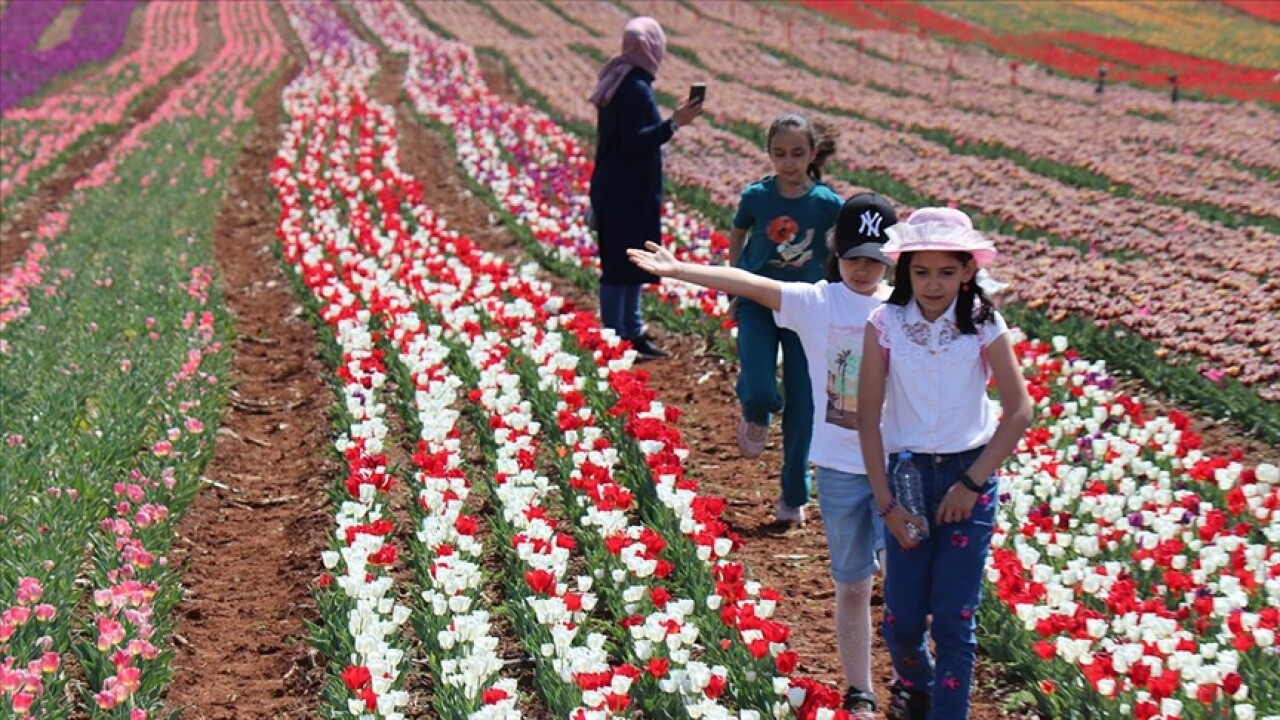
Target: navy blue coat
x=626 y=186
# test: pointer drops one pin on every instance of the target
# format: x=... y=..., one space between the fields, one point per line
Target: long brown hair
x=822 y=137
x=973 y=307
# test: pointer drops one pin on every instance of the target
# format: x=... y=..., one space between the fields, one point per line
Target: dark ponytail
x=822 y=137
x=832 y=273
x=825 y=143
x=973 y=307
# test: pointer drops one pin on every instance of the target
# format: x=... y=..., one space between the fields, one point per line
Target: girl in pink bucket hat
x=940 y=228
x=928 y=354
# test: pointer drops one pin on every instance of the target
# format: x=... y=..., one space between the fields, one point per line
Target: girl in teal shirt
x=780 y=232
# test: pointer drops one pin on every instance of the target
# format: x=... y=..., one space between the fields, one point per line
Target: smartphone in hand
x=697 y=92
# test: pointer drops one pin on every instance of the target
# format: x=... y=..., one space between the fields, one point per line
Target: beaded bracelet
x=884 y=512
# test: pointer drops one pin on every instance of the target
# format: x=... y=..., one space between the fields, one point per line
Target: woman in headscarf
x=626 y=186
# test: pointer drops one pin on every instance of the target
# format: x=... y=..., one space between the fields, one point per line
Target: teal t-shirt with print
x=788 y=236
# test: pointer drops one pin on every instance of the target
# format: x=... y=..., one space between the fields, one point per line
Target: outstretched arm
x=735 y=281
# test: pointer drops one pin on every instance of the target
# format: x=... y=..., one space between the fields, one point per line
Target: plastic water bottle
x=909 y=491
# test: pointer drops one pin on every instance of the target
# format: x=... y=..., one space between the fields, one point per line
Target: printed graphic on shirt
x=844 y=358
x=794 y=250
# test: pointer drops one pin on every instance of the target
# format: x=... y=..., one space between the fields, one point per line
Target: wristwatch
x=970 y=484
x=674 y=125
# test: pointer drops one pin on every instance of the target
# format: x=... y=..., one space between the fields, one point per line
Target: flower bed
x=430 y=291
x=1194 y=30
x=1228 y=80
x=1071 y=689
x=1139 y=575
x=111 y=357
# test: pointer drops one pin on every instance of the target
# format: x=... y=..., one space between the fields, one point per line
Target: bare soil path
x=60 y=29
x=251 y=542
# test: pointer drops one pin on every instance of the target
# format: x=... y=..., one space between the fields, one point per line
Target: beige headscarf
x=643 y=46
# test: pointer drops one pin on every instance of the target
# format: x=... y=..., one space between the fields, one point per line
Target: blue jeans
x=758 y=340
x=620 y=309
x=855 y=532
x=942 y=577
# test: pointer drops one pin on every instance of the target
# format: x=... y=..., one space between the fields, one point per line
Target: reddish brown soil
x=251 y=542
x=18 y=225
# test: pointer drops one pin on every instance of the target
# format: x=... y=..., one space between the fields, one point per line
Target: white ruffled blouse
x=936 y=391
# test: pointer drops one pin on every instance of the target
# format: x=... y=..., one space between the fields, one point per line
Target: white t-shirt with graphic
x=831 y=320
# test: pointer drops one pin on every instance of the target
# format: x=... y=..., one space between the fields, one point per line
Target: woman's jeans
x=758 y=340
x=942 y=577
x=620 y=309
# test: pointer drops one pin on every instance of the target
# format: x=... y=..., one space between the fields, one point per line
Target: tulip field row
x=1052 y=125
x=882 y=37
x=1212 y=320
x=1127 y=555
x=1191 y=28
x=1080 y=52
x=884 y=78
x=111 y=355
x=452 y=320
x=843 y=92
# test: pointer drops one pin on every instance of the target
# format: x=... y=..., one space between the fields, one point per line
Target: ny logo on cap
x=871 y=223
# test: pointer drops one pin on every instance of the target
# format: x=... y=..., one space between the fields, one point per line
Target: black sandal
x=908 y=704
x=860 y=703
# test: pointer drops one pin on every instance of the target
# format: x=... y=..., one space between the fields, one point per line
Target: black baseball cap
x=861 y=225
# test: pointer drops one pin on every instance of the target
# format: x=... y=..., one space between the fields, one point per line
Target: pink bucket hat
x=939 y=228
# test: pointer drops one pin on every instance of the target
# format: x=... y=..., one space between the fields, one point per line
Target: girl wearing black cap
x=830 y=318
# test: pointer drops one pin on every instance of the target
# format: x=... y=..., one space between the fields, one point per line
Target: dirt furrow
x=252 y=539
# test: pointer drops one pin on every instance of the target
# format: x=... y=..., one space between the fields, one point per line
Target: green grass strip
x=559 y=11
x=492 y=12
x=84 y=380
